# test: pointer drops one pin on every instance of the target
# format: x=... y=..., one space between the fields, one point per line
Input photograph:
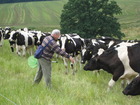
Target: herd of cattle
x=119 y=57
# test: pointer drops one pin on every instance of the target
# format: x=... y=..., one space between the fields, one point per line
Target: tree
x=91 y=18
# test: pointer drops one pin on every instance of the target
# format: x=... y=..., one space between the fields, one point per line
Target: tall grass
x=83 y=88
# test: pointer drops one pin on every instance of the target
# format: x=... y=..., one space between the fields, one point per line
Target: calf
x=122 y=61
x=133 y=88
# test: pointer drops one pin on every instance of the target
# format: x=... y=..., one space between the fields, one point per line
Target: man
x=45 y=60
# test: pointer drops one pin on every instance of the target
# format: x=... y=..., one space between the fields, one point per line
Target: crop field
x=83 y=88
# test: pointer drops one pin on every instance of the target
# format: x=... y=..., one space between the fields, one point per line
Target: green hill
x=45 y=15
x=31 y=14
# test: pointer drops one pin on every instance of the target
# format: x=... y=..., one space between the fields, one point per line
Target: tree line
x=14 y=1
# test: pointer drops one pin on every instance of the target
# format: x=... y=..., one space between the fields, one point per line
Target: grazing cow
x=122 y=61
x=133 y=88
x=72 y=44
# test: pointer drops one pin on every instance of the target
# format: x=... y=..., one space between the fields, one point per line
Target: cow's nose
x=38 y=42
x=125 y=92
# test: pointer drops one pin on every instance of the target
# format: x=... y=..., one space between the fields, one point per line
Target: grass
x=84 y=88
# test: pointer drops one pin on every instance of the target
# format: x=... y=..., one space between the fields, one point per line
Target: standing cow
x=72 y=44
x=122 y=61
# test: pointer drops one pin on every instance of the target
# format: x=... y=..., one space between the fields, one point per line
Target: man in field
x=45 y=60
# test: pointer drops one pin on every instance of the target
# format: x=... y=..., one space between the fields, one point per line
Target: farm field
x=83 y=88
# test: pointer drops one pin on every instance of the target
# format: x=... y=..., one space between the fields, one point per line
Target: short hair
x=55 y=31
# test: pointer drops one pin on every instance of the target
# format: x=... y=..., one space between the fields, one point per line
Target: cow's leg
x=123 y=83
x=23 y=50
x=113 y=80
x=73 y=68
x=66 y=65
x=111 y=84
x=17 y=50
x=1 y=42
x=129 y=80
x=78 y=61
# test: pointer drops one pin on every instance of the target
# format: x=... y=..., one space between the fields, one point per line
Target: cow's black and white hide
x=73 y=46
x=23 y=42
x=122 y=61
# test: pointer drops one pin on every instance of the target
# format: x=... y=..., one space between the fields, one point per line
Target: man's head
x=55 y=34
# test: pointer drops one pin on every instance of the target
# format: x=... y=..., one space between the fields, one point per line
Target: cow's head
x=7 y=33
x=13 y=35
x=86 y=55
x=133 y=88
x=89 y=52
x=92 y=64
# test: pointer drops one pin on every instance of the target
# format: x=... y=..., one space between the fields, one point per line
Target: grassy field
x=84 y=88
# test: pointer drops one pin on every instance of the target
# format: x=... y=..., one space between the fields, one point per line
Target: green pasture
x=83 y=88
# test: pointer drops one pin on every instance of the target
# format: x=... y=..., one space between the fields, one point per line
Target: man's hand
x=72 y=59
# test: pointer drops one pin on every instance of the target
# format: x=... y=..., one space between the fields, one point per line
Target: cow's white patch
x=100 y=51
x=83 y=51
x=11 y=35
x=111 y=84
x=94 y=41
x=63 y=41
x=129 y=73
x=110 y=43
x=25 y=34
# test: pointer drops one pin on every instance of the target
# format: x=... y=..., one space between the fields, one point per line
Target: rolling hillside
x=45 y=15
x=31 y=14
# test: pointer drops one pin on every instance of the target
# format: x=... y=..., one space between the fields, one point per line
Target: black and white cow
x=23 y=41
x=122 y=61
x=97 y=46
x=72 y=44
x=7 y=36
x=40 y=36
x=133 y=88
